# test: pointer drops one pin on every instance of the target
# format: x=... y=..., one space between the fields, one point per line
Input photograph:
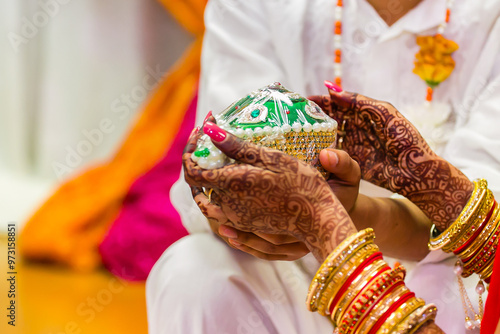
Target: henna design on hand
x=268 y=191
x=392 y=154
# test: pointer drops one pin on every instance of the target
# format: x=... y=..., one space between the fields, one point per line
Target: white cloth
x=251 y=43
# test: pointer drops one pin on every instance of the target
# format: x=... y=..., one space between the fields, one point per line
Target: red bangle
x=384 y=275
x=393 y=283
x=381 y=297
x=491 y=244
x=370 y=259
x=391 y=310
x=478 y=231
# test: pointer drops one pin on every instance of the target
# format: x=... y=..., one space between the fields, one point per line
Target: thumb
x=340 y=164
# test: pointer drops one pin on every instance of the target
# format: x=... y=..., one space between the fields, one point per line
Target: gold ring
x=209 y=195
x=341 y=133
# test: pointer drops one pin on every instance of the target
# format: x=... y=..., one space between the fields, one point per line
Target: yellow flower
x=433 y=62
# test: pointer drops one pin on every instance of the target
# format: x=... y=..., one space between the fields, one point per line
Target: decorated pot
x=276 y=118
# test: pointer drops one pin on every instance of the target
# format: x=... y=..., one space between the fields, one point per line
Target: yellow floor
x=52 y=300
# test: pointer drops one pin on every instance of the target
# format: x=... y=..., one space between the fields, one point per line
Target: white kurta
x=202 y=286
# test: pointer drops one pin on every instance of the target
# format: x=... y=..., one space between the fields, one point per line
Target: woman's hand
x=267 y=191
x=392 y=154
x=264 y=246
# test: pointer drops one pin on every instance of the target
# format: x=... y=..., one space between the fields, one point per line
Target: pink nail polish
x=214 y=132
x=332 y=86
x=207 y=117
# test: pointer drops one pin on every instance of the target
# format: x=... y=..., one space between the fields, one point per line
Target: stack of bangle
x=474 y=236
x=362 y=294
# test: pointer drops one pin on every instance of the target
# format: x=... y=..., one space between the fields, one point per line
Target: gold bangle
x=486 y=273
x=473 y=224
x=417 y=319
x=482 y=259
x=470 y=208
x=340 y=276
x=332 y=288
x=352 y=316
x=341 y=253
x=485 y=234
x=379 y=309
x=401 y=312
x=360 y=284
x=488 y=269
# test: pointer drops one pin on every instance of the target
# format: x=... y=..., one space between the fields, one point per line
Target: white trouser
x=201 y=285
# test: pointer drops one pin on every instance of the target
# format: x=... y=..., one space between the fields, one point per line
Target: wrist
x=333 y=225
x=442 y=193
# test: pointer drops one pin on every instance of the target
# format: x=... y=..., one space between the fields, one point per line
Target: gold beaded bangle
x=487 y=272
x=488 y=268
x=346 y=271
x=368 y=297
x=358 y=285
x=333 y=261
x=401 y=312
x=417 y=319
x=472 y=225
x=485 y=234
x=328 y=292
x=481 y=259
x=467 y=213
x=379 y=309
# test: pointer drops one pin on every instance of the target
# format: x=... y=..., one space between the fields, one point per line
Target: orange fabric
x=189 y=13
x=70 y=225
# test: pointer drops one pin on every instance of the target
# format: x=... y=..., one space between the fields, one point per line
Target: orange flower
x=433 y=62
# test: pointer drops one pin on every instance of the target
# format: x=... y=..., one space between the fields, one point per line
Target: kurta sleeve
x=238 y=53
x=474 y=147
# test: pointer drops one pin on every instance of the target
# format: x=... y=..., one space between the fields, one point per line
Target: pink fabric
x=148 y=223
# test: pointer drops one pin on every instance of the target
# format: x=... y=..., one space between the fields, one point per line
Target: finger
x=193 y=140
x=209 y=209
x=344 y=101
x=197 y=176
x=277 y=239
x=245 y=151
x=229 y=232
x=340 y=164
x=196 y=191
x=366 y=112
x=323 y=101
x=253 y=240
x=209 y=117
x=260 y=255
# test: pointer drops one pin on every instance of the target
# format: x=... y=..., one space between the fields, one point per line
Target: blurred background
x=94 y=95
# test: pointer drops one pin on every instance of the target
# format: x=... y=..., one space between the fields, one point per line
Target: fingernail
x=333 y=158
x=234 y=242
x=227 y=232
x=207 y=117
x=330 y=85
x=195 y=130
x=214 y=132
